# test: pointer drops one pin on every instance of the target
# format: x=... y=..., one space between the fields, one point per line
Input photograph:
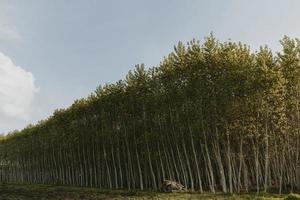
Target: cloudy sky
x=54 y=51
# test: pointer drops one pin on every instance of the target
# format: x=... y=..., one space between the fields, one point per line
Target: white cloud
x=7 y=32
x=8 y=29
x=17 y=89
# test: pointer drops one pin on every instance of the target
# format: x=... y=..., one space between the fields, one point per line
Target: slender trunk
x=196 y=160
x=229 y=161
x=266 y=158
x=240 y=164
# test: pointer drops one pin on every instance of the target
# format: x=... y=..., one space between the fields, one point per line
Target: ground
x=47 y=192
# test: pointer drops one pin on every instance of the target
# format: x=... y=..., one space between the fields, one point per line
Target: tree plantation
x=212 y=116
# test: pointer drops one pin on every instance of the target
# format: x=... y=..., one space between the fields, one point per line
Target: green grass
x=293 y=197
x=47 y=192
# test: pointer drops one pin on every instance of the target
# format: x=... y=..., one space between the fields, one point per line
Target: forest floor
x=47 y=192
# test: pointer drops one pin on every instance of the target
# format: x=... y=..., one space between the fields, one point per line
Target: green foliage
x=212 y=116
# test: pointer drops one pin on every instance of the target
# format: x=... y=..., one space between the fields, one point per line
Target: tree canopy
x=213 y=116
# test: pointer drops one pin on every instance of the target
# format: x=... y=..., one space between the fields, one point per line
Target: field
x=47 y=192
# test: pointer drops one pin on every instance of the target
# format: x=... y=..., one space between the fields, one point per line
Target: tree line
x=214 y=116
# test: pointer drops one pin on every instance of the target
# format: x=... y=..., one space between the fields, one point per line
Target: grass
x=48 y=192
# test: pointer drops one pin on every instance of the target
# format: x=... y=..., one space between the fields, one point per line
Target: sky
x=55 y=51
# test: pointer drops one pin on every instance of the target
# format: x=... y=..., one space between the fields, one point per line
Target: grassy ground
x=46 y=192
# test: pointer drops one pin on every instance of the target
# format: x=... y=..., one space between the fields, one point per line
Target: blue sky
x=53 y=52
